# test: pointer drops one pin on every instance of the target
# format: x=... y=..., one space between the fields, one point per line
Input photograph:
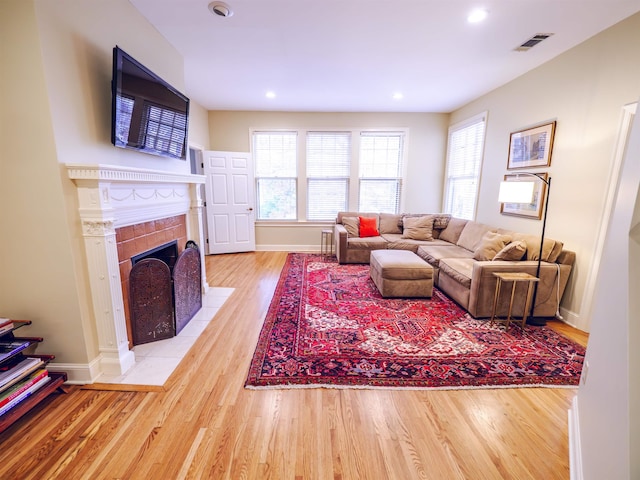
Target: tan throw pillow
x=472 y=235
x=418 y=228
x=352 y=224
x=533 y=246
x=513 y=251
x=453 y=229
x=555 y=253
x=390 y=223
x=490 y=244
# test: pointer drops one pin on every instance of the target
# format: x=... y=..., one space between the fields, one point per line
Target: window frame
x=295 y=178
x=344 y=178
x=399 y=179
x=457 y=127
x=354 y=178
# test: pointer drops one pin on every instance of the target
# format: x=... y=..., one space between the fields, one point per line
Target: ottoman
x=400 y=273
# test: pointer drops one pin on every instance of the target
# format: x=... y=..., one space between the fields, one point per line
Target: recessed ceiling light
x=270 y=94
x=477 y=15
x=398 y=96
x=221 y=9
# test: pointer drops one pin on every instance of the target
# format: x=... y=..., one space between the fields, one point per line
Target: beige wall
x=55 y=108
x=37 y=281
x=198 y=126
x=229 y=131
x=584 y=90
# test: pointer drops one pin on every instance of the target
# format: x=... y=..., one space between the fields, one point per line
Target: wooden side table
x=514 y=278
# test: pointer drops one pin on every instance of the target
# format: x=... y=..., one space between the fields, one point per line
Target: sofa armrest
x=553 y=280
x=340 y=236
x=566 y=257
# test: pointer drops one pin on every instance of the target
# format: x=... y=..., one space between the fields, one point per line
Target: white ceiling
x=352 y=55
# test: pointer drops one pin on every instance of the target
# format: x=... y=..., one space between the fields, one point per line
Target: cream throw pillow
x=490 y=244
x=513 y=251
x=390 y=223
x=418 y=228
x=352 y=224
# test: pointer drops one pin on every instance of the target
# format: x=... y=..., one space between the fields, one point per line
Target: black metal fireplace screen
x=165 y=291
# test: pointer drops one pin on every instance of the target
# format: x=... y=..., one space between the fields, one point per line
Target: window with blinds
x=275 y=158
x=381 y=171
x=327 y=173
x=464 y=161
x=165 y=130
x=328 y=170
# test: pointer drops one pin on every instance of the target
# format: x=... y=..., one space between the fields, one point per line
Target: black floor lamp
x=522 y=192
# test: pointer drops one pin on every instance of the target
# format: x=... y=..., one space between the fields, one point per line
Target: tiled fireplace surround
x=123 y=212
x=135 y=239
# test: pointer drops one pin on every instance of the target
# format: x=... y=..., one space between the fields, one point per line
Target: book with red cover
x=16 y=368
x=22 y=396
x=23 y=386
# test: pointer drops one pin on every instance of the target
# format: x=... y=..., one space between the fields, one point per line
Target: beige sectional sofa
x=464 y=255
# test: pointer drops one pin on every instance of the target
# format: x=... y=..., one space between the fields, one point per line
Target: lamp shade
x=516 y=192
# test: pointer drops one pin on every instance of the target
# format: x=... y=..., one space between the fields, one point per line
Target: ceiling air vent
x=533 y=41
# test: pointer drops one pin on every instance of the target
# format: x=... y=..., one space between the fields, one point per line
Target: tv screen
x=147 y=114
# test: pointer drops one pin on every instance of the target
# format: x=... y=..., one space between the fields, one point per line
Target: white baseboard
x=289 y=248
x=575 y=453
x=570 y=318
x=78 y=373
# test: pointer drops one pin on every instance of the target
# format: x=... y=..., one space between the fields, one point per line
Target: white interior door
x=230 y=202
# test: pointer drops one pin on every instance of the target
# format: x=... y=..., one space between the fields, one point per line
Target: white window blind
x=275 y=158
x=464 y=162
x=328 y=167
x=381 y=171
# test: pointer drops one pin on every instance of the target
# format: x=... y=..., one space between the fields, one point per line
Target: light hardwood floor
x=204 y=424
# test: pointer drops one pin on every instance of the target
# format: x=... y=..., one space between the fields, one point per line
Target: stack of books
x=20 y=375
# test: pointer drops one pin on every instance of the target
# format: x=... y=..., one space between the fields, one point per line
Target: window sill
x=293 y=223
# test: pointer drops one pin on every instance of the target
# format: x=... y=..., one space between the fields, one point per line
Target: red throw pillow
x=368 y=227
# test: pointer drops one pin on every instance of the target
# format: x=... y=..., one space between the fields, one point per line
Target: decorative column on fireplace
x=111 y=197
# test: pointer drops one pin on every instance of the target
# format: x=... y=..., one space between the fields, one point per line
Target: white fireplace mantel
x=110 y=197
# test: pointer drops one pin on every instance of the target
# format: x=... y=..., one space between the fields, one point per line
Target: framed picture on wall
x=531 y=147
x=529 y=210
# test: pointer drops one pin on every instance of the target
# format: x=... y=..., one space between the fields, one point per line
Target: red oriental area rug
x=328 y=326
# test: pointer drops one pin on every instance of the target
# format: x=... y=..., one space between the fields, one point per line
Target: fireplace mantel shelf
x=115 y=173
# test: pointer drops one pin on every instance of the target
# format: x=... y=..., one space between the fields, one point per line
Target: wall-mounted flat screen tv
x=147 y=114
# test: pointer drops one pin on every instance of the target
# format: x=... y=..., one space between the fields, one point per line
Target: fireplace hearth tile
x=153 y=367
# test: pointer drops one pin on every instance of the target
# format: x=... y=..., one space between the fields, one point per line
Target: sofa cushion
x=341 y=215
x=549 y=250
x=367 y=243
x=452 y=232
x=441 y=220
x=396 y=242
x=433 y=254
x=555 y=253
x=459 y=269
x=490 y=244
x=512 y=252
x=390 y=223
x=368 y=227
x=418 y=228
x=352 y=224
x=472 y=234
